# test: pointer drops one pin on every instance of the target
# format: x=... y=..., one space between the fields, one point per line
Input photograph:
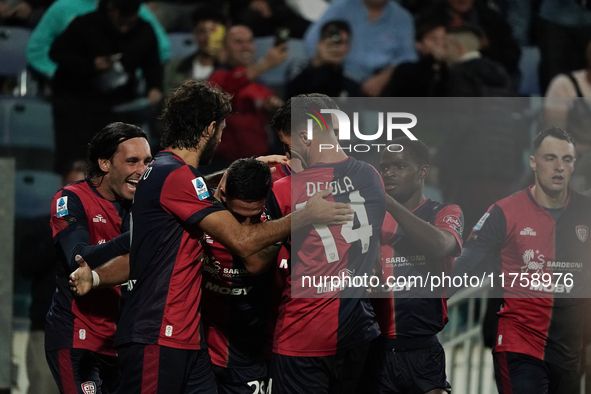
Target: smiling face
x=553 y=163
x=402 y=177
x=240 y=46
x=124 y=170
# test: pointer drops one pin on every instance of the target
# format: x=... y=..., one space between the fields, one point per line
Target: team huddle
x=211 y=296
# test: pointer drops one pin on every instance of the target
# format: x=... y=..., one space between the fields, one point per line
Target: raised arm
x=432 y=240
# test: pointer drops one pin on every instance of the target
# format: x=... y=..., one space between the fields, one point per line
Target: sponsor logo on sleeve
x=201 y=188
x=62 y=207
x=454 y=223
x=582 y=232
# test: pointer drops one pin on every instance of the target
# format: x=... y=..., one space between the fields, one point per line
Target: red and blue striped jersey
x=79 y=212
x=163 y=298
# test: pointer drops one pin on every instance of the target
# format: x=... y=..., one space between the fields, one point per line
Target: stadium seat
x=13 y=41
x=528 y=66
x=26 y=132
x=34 y=192
x=27 y=122
x=276 y=77
x=181 y=44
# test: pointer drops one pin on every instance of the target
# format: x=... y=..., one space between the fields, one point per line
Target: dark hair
x=425 y=26
x=208 y=13
x=418 y=150
x=334 y=27
x=466 y=29
x=125 y=7
x=555 y=132
x=248 y=180
x=105 y=144
x=284 y=119
x=188 y=112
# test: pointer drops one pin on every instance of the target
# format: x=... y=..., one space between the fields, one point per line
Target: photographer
x=324 y=72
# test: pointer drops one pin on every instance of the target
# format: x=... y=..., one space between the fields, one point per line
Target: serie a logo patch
x=200 y=188
x=62 y=207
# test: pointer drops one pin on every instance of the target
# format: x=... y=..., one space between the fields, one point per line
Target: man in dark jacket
x=497 y=43
x=472 y=74
x=480 y=157
x=426 y=77
x=98 y=58
x=324 y=72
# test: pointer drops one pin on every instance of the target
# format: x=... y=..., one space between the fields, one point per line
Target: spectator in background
x=382 y=37
x=324 y=72
x=98 y=58
x=471 y=74
x=263 y=17
x=426 y=77
x=562 y=110
x=496 y=43
x=568 y=106
x=26 y=13
x=37 y=259
x=208 y=32
x=245 y=134
x=565 y=30
x=56 y=20
x=479 y=159
x=176 y=15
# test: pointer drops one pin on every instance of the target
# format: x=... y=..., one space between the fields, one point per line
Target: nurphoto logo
x=344 y=129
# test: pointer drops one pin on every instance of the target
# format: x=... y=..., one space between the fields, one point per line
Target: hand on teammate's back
x=319 y=211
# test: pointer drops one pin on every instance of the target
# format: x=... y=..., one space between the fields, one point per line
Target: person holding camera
x=324 y=72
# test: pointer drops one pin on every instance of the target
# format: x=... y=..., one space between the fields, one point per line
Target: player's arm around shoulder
x=244 y=241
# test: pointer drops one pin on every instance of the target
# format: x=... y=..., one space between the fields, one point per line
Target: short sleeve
x=450 y=218
x=67 y=214
x=186 y=196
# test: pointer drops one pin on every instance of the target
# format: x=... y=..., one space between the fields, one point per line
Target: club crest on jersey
x=62 y=207
x=201 y=188
x=582 y=232
x=89 y=387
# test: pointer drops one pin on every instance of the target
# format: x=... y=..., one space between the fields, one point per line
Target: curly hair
x=190 y=110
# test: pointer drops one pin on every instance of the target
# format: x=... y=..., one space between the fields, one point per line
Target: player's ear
x=303 y=134
x=424 y=171
x=532 y=163
x=104 y=164
x=210 y=130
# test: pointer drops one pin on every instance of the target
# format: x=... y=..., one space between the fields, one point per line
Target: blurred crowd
x=96 y=60
x=99 y=61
